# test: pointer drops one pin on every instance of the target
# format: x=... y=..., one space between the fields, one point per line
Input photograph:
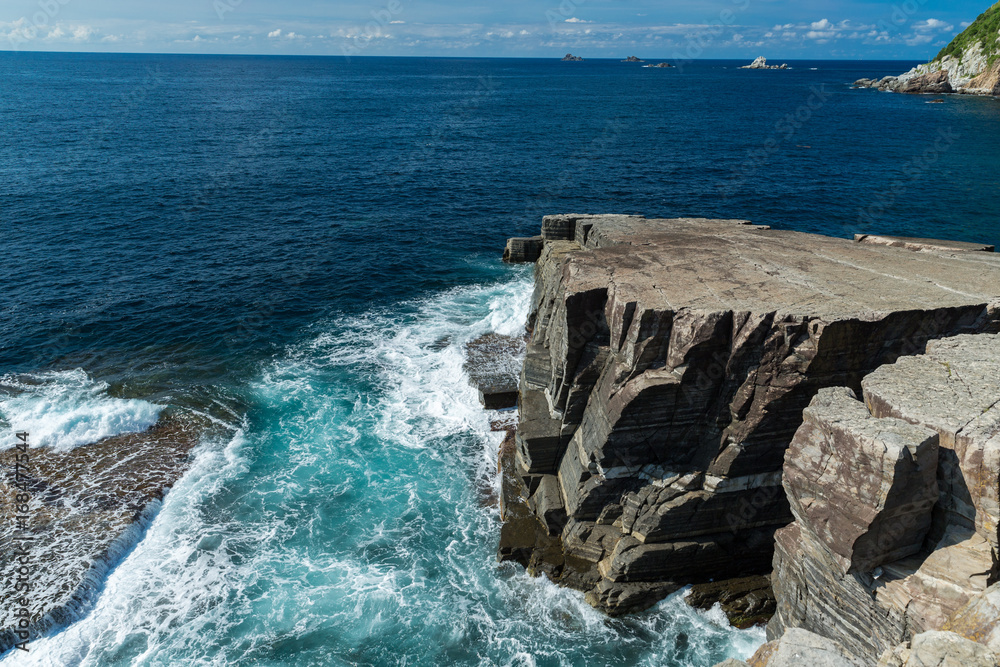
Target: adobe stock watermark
x=784 y=131
x=697 y=43
x=912 y=172
x=565 y=10
x=21 y=562
x=223 y=7
x=41 y=20
x=381 y=19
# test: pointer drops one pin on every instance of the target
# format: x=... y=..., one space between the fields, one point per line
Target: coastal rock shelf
x=667 y=371
x=88 y=507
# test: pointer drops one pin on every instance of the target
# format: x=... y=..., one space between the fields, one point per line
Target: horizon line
x=350 y=57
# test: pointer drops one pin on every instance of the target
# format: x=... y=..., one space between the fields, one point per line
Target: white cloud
x=933 y=25
x=573 y=19
x=274 y=34
x=821 y=25
x=82 y=33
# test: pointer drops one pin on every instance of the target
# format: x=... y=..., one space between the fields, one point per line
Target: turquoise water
x=298 y=248
x=345 y=523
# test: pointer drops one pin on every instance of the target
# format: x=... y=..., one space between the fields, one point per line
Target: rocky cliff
x=970 y=64
x=896 y=503
x=669 y=366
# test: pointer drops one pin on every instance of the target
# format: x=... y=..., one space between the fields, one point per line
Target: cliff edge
x=668 y=369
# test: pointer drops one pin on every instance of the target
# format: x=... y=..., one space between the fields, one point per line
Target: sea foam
x=66 y=409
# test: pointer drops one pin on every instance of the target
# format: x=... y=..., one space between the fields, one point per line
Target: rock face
x=569 y=57
x=88 y=507
x=633 y=59
x=668 y=368
x=940 y=649
x=761 y=63
x=896 y=504
x=522 y=250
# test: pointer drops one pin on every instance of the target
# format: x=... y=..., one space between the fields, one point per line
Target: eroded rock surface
x=668 y=368
x=940 y=649
x=923 y=464
x=87 y=508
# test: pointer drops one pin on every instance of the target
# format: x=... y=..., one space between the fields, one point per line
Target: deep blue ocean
x=299 y=248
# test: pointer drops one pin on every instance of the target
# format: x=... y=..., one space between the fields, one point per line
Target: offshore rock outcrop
x=896 y=507
x=668 y=368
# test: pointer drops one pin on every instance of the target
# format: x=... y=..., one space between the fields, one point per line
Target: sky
x=778 y=29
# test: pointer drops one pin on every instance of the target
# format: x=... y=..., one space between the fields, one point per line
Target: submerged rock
x=88 y=507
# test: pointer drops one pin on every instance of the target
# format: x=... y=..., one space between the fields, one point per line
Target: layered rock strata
x=667 y=371
x=87 y=508
x=897 y=503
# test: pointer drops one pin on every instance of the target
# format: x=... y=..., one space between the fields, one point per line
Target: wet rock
x=88 y=507
x=493 y=364
x=746 y=601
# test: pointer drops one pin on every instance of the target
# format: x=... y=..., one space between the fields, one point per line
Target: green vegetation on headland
x=984 y=29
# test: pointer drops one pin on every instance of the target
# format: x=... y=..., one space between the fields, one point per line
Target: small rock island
x=761 y=63
x=569 y=57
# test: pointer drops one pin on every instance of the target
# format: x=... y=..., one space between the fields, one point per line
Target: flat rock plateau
x=710 y=400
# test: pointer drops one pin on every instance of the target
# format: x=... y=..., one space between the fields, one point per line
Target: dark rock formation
x=896 y=504
x=522 y=250
x=747 y=601
x=668 y=368
x=493 y=363
x=935 y=83
x=569 y=57
x=633 y=59
x=88 y=507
